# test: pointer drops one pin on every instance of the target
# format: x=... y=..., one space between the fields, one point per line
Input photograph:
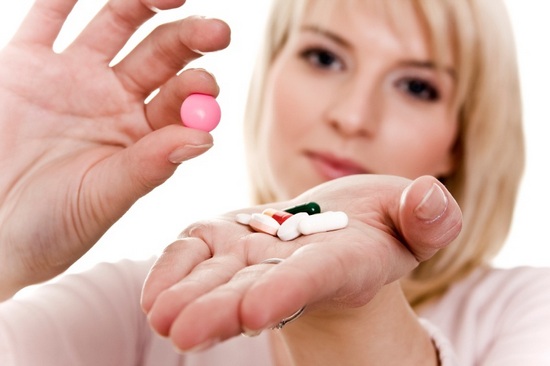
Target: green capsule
x=311 y=208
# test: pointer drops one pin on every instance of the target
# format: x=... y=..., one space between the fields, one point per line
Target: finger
x=170 y=288
x=114 y=24
x=429 y=217
x=158 y=5
x=340 y=275
x=204 y=277
x=394 y=203
x=176 y=262
x=44 y=21
x=153 y=159
x=168 y=49
x=138 y=169
x=164 y=108
x=215 y=317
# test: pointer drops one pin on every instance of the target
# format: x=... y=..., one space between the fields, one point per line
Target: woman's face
x=349 y=94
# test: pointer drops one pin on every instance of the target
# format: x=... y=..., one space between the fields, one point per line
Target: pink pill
x=264 y=223
x=201 y=112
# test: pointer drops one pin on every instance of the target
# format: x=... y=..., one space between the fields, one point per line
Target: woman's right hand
x=213 y=283
x=78 y=143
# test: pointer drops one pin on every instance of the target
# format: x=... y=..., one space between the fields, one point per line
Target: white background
x=217 y=182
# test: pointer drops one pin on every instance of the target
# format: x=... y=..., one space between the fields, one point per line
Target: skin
x=77 y=149
x=345 y=97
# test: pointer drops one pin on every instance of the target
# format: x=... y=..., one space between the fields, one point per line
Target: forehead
x=361 y=17
x=398 y=12
x=401 y=24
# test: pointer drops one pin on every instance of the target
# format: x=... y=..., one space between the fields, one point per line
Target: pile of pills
x=292 y=222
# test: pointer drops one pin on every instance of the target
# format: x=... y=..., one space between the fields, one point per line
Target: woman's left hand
x=211 y=285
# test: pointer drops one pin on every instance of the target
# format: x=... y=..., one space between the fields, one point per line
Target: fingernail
x=201 y=346
x=187 y=152
x=250 y=333
x=203 y=73
x=433 y=205
x=153 y=8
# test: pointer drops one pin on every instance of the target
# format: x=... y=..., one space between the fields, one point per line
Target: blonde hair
x=489 y=145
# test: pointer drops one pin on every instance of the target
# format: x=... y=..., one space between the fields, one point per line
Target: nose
x=355 y=108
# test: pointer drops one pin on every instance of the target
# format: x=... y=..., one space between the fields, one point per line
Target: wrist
x=385 y=331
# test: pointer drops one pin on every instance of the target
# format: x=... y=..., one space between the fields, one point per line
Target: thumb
x=138 y=169
x=429 y=217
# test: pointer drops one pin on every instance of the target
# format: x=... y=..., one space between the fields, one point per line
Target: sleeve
x=521 y=320
x=93 y=318
x=445 y=351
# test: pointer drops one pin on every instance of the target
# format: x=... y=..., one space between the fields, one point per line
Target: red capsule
x=279 y=216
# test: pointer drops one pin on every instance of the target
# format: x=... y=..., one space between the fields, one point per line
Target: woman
x=408 y=89
x=80 y=311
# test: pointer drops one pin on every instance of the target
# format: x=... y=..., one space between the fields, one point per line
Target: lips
x=332 y=167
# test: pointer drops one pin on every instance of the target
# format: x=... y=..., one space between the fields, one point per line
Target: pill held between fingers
x=201 y=112
x=325 y=221
x=289 y=228
x=264 y=223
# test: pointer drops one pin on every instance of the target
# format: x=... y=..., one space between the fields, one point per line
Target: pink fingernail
x=187 y=152
x=202 y=346
x=433 y=205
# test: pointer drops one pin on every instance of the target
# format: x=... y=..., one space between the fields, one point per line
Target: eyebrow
x=430 y=65
x=326 y=33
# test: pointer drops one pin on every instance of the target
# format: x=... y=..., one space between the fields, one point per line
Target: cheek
x=292 y=109
x=422 y=149
x=290 y=121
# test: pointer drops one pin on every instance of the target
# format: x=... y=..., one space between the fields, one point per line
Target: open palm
x=212 y=283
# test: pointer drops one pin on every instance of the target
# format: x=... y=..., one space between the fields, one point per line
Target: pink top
x=494 y=317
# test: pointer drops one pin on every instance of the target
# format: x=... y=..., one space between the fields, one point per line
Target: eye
x=418 y=88
x=322 y=58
